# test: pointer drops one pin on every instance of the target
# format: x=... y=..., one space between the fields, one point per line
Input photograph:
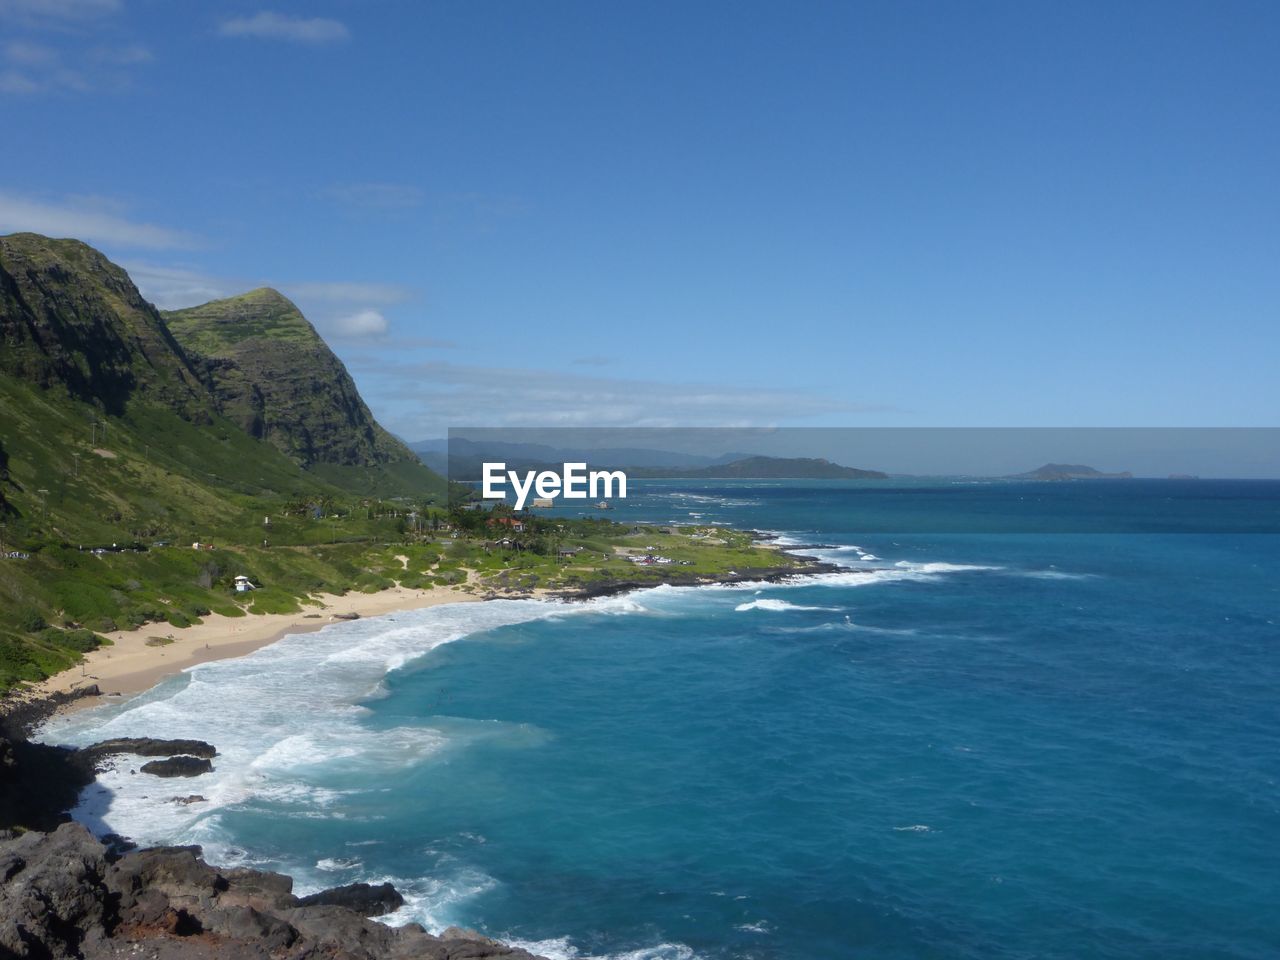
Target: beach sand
x=130 y=666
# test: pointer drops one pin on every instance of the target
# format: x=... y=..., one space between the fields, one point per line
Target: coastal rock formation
x=64 y=895
x=177 y=767
x=363 y=898
x=150 y=747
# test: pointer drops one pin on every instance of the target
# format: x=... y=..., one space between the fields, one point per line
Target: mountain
x=764 y=468
x=1069 y=471
x=72 y=320
x=116 y=435
x=275 y=377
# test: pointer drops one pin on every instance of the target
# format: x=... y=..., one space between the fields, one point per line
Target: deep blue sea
x=969 y=743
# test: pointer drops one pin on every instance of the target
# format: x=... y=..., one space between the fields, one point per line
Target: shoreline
x=130 y=665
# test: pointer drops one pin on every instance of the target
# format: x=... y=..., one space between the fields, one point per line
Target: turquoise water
x=965 y=744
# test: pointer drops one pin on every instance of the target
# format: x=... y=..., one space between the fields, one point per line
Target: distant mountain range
x=1069 y=471
x=464 y=459
x=766 y=468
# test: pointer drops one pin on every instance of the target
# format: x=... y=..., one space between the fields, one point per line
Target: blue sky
x=905 y=214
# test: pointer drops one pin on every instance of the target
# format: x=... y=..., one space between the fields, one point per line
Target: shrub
x=30 y=620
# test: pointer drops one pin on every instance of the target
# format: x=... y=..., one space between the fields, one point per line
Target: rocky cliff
x=276 y=378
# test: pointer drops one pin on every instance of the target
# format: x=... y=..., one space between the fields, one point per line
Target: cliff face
x=274 y=376
x=71 y=319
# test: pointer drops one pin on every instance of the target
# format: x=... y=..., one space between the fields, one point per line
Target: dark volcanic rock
x=38 y=783
x=62 y=897
x=53 y=902
x=177 y=767
x=150 y=747
x=366 y=900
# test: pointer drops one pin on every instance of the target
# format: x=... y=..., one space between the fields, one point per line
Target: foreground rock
x=63 y=895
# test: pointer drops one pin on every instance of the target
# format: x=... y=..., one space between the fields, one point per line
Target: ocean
x=1021 y=721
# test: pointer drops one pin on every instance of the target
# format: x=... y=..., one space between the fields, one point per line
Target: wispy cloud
x=592 y=361
x=424 y=399
x=56 y=11
x=14 y=81
x=32 y=68
x=374 y=196
x=86 y=218
x=173 y=287
x=279 y=26
x=27 y=54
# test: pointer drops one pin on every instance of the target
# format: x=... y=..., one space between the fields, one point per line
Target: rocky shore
x=609 y=587
x=66 y=894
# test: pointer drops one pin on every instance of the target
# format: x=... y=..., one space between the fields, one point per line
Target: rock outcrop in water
x=177 y=767
x=64 y=895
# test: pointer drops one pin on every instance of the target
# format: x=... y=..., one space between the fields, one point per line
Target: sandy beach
x=130 y=665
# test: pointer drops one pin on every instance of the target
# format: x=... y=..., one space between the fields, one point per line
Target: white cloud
x=85 y=219
x=361 y=324
x=279 y=26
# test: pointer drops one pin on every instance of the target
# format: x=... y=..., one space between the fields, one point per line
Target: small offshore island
x=181 y=487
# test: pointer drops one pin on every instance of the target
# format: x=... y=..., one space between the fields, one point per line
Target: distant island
x=766 y=468
x=1069 y=471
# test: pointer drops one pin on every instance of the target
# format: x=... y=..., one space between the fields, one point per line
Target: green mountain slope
x=72 y=321
x=113 y=434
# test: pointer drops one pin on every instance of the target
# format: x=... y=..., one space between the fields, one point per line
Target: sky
x=716 y=214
